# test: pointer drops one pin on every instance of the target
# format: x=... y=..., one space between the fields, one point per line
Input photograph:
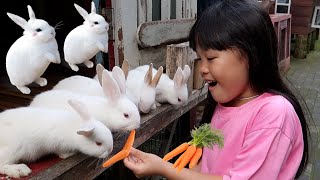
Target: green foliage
x=205 y=136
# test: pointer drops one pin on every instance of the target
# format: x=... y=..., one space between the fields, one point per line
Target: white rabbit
x=29 y=133
x=141 y=87
x=30 y=55
x=85 y=41
x=172 y=91
x=114 y=110
x=88 y=86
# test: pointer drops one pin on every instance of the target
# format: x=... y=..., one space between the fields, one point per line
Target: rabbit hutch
x=142 y=32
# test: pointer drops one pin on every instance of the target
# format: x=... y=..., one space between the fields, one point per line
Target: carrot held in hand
x=124 y=152
x=176 y=151
x=130 y=140
x=187 y=157
x=203 y=136
x=194 y=160
x=118 y=157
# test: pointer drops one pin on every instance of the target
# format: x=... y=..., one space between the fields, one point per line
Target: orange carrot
x=176 y=151
x=117 y=157
x=194 y=160
x=178 y=161
x=186 y=157
x=130 y=140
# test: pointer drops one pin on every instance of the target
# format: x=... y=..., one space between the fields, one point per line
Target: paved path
x=304 y=74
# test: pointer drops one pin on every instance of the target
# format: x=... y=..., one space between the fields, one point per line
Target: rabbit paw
x=89 y=64
x=24 y=89
x=65 y=155
x=158 y=104
x=74 y=67
x=15 y=170
x=41 y=81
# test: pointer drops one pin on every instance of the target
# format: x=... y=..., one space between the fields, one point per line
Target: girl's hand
x=143 y=164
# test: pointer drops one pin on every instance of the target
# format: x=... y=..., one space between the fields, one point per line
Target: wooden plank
x=149 y=10
x=165 y=9
x=142 y=11
x=179 y=9
x=302 y=3
x=301 y=30
x=193 y=8
x=299 y=11
x=83 y=167
x=301 y=21
x=157 y=33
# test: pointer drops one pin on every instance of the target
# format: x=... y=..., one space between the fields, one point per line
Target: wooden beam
x=156 y=33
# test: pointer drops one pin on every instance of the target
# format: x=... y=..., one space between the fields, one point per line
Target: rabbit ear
x=86 y=130
x=148 y=76
x=156 y=78
x=186 y=73
x=125 y=68
x=99 y=69
x=178 y=78
x=80 y=108
x=81 y=11
x=18 y=20
x=110 y=87
x=93 y=7
x=31 y=13
x=118 y=75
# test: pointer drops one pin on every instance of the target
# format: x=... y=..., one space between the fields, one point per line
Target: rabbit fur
x=173 y=91
x=30 y=55
x=85 y=41
x=141 y=88
x=28 y=133
x=114 y=110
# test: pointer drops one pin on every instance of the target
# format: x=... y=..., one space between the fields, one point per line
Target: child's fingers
x=137 y=153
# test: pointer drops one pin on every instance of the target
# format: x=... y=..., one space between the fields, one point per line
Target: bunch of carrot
x=203 y=136
x=124 y=152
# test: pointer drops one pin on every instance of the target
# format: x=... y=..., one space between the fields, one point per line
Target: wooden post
x=179 y=55
x=300 y=50
x=197 y=79
x=313 y=40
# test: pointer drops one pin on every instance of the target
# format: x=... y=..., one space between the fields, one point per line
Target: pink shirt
x=262 y=140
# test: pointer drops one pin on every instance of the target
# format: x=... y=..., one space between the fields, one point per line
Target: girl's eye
x=98 y=143
x=210 y=59
x=96 y=22
x=38 y=30
x=126 y=115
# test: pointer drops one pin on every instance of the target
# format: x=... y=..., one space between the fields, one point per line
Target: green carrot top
x=205 y=136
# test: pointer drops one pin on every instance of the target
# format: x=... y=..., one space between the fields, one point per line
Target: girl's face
x=227 y=73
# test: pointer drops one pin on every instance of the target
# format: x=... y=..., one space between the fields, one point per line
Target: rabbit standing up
x=141 y=87
x=172 y=91
x=85 y=41
x=114 y=109
x=29 y=133
x=30 y=55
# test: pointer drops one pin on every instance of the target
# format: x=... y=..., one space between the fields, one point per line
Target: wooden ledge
x=80 y=166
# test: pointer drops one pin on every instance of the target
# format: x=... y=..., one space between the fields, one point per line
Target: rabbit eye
x=96 y=22
x=179 y=99
x=98 y=143
x=38 y=30
x=126 y=115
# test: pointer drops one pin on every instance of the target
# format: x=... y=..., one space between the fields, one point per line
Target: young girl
x=265 y=131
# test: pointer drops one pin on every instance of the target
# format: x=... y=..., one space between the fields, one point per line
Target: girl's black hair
x=245 y=25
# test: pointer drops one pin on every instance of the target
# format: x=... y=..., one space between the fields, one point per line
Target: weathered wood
x=158 y=33
x=179 y=55
x=83 y=167
x=197 y=78
x=302 y=30
x=300 y=50
x=298 y=11
x=165 y=9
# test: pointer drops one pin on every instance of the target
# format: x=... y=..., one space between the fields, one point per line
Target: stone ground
x=304 y=74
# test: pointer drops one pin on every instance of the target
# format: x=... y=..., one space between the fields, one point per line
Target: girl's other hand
x=143 y=164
